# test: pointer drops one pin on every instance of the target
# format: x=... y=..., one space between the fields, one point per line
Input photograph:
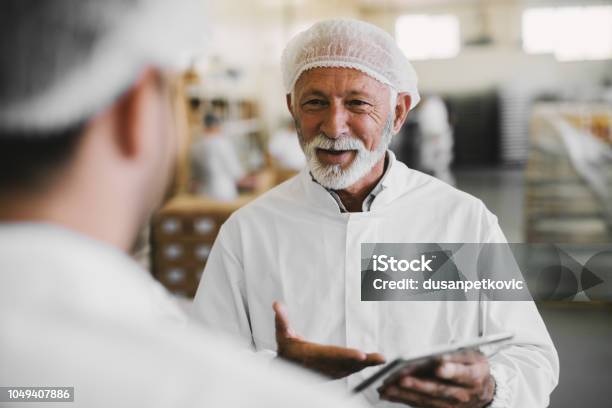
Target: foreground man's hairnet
x=64 y=60
x=349 y=44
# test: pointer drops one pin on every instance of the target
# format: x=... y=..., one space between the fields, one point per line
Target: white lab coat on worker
x=285 y=148
x=294 y=245
x=436 y=138
x=75 y=312
x=216 y=167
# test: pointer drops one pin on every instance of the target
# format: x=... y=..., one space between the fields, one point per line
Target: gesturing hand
x=331 y=361
x=459 y=380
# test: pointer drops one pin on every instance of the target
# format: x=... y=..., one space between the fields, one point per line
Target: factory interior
x=278 y=181
x=516 y=110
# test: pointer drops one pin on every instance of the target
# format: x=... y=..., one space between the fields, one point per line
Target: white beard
x=333 y=176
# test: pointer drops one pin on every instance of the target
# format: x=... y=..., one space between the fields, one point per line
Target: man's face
x=344 y=123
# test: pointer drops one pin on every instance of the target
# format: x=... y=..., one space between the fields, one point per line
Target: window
x=569 y=33
x=423 y=37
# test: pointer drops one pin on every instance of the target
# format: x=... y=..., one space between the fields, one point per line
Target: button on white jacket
x=294 y=245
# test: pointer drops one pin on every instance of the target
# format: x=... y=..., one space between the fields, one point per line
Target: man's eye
x=358 y=102
x=314 y=102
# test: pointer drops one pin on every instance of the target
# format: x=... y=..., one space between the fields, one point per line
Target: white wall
x=250 y=35
x=501 y=63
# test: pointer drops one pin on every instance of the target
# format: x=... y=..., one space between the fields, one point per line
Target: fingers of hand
x=375 y=359
x=465 y=356
x=416 y=399
x=434 y=389
x=336 y=361
x=281 y=321
x=339 y=361
x=393 y=379
x=335 y=354
x=472 y=375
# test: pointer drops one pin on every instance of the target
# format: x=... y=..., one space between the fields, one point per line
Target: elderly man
x=349 y=89
x=86 y=152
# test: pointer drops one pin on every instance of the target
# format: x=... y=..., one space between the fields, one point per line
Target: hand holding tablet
x=452 y=375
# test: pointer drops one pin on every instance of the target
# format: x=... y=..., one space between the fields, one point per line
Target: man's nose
x=335 y=123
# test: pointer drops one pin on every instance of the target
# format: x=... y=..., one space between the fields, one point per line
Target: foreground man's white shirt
x=75 y=312
x=293 y=245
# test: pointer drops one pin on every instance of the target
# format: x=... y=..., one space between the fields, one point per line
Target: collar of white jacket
x=397 y=182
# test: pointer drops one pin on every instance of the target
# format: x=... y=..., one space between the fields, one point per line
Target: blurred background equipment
x=569 y=174
x=518 y=113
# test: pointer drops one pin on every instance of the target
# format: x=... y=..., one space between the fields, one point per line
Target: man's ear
x=289 y=103
x=133 y=111
x=402 y=106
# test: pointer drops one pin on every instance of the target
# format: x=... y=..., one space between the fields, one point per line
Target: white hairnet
x=350 y=44
x=64 y=60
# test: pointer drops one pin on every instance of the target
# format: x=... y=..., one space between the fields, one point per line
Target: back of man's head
x=64 y=61
x=86 y=126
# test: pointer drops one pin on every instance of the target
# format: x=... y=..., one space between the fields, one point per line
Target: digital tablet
x=429 y=360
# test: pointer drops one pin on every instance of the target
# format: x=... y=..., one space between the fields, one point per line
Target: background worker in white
x=82 y=165
x=436 y=138
x=300 y=243
x=215 y=165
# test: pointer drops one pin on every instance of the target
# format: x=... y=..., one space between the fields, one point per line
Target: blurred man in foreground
x=349 y=89
x=86 y=151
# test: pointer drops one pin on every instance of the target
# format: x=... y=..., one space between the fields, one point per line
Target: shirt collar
x=369 y=200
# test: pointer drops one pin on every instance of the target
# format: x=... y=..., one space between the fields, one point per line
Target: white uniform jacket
x=75 y=312
x=294 y=245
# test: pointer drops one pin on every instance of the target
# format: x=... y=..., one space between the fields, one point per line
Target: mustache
x=344 y=143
